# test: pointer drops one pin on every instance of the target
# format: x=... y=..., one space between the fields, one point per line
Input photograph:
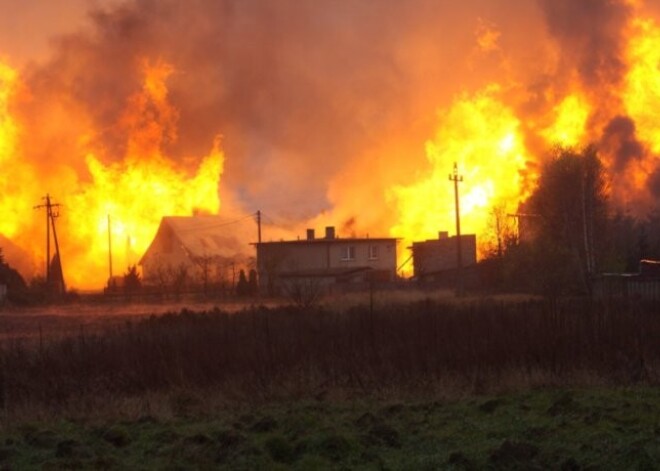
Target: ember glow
x=326 y=119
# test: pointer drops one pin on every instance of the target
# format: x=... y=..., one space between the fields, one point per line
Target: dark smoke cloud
x=619 y=141
x=590 y=35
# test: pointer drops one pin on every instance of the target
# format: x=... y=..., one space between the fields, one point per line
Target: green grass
x=544 y=429
x=423 y=385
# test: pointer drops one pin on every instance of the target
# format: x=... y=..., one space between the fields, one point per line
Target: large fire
x=484 y=137
x=490 y=142
x=128 y=196
x=497 y=130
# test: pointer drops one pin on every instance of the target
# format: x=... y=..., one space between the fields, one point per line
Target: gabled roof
x=202 y=236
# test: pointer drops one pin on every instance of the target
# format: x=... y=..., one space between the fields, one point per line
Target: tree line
x=568 y=231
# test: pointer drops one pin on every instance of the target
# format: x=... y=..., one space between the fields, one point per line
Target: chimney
x=330 y=232
x=443 y=235
x=310 y=234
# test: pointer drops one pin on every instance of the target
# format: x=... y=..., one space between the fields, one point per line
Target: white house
x=330 y=262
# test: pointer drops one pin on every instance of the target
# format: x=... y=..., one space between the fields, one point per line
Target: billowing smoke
x=292 y=91
x=590 y=34
x=299 y=90
x=619 y=140
x=654 y=183
x=593 y=38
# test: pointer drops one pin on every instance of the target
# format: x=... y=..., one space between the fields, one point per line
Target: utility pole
x=109 y=251
x=456 y=178
x=259 y=226
x=58 y=267
x=587 y=232
x=52 y=213
x=47 y=237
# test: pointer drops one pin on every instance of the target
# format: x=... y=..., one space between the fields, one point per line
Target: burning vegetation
x=324 y=116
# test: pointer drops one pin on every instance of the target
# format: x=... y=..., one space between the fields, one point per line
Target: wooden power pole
x=259 y=226
x=456 y=178
x=52 y=213
x=109 y=251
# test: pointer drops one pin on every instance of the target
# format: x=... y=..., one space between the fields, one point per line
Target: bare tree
x=163 y=278
x=501 y=231
x=204 y=263
x=179 y=279
x=305 y=292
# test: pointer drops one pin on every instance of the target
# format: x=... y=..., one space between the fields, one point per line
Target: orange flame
x=569 y=127
x=642 y=91
x=16 y=179
x=135 y=192
x=483 y=136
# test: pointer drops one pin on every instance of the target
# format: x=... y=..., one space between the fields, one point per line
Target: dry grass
x=389 y=297
x=429 y=347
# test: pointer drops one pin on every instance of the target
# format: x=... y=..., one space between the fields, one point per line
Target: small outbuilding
x=437 y=260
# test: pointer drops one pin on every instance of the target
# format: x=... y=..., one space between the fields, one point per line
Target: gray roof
x=204 y=236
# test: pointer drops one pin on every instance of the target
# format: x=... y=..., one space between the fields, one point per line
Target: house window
x=348 y=252
x=373 y=252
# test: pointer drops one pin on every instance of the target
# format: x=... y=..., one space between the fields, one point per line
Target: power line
x=265 y=217
x=203 y=227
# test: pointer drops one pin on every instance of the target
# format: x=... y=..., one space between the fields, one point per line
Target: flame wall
x=351 y=114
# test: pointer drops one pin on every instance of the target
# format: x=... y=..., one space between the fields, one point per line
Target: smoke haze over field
x=339 y=113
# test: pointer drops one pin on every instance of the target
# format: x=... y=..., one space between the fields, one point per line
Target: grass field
x=548 y=429
x=355 y=383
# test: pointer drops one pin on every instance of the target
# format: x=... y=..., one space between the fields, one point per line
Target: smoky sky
x=592 y=40
x=291 y=90
x=305 y=93
x=620 y=141
x=653 y=183
x=299 y=90
x=590 y=33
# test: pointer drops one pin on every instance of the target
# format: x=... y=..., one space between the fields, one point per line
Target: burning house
x=436 y=260
x=200 y=248
x=329 y=263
